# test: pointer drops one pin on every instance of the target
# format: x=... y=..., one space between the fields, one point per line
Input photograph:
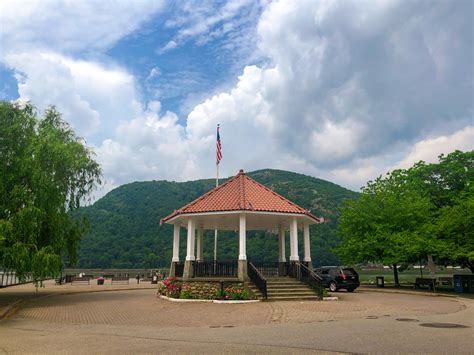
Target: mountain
x=125 y=229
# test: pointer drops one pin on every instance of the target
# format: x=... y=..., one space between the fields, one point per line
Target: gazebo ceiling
x=220 y=207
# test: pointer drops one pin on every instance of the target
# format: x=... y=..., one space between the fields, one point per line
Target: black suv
x=337 y=277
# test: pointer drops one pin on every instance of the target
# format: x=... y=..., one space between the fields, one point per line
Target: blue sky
x=344 y=91
x=196 y=68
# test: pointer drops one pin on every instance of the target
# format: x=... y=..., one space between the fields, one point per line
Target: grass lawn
x=406 y=277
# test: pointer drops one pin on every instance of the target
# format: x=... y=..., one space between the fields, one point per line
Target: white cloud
x=66 y=26
x=429 y=149
x=232 y=22
x=167 y=47
x=353 y=86
x=350 y=90
x=41 y=41
x=91 y=97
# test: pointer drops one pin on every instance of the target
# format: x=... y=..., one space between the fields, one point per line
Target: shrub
x=186 y=292
x=236 y=293
x=170 y=287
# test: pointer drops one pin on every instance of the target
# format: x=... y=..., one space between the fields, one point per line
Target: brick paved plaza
x=136 y=321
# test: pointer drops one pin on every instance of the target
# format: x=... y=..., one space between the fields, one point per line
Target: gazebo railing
x=268 y=269
x=258 y=279
x=215 y=269
x=179 y=269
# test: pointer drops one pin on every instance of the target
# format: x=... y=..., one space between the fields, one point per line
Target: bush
x=186 y=292
x=236 y=293
x=170 y=287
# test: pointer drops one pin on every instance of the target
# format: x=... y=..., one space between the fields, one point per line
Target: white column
x=307 y=245
x=281 y=244
x=190 y=242
x=294 y=240
x=242 y=237
x=199 y=244
x=176 y=243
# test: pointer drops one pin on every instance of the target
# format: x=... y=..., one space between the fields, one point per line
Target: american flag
x=218 y=147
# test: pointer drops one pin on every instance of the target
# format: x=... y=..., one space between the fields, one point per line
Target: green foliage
x=186 y=292
x=45 y=173
x=383 y=227
x=236 y=293
x=125 y=229
x=454 y=230
x=410 y=214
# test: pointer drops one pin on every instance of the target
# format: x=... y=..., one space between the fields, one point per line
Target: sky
x=340 y=90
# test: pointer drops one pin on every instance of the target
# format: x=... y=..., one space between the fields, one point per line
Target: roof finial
x=241 y=171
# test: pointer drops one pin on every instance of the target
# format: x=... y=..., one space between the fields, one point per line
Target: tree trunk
x=395 y=275
x=471 y=267
x=431 y=266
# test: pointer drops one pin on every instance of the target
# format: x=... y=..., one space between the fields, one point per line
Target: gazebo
x=239 y=204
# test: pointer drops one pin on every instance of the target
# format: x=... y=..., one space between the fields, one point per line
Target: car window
x=349 y=272
x=325 y=271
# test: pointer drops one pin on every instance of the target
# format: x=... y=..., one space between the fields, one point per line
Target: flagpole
x=217 y=184
x=215 y=230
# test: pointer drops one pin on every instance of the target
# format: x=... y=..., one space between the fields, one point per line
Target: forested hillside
x=125 y=226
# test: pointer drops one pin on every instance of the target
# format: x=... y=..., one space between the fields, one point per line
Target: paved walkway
x=137 y=321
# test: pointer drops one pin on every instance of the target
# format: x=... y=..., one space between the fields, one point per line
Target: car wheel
x=332 y=286
x=350 y=289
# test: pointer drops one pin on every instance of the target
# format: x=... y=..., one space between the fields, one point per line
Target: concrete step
x=286 y=287
x=281 y=279
x=281 y=294
x=293 y=298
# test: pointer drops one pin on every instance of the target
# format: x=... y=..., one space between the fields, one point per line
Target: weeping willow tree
x=46 y=171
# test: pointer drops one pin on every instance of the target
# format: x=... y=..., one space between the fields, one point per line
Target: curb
x=207 y=301
x=408 y=292
x=179 y=300
x=235 y=302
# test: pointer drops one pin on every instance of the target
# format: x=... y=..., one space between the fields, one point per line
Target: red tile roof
x=241 y=193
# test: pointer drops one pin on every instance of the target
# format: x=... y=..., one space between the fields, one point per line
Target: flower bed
x=211 y=290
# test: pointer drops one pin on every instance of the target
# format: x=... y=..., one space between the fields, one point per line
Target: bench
x=81 y=280
x=445 y=281
x=425 y=282
x=120 y=280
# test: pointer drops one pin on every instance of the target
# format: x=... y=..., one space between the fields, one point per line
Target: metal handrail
x=267 y=268
x=301 y=272
x=258 y=279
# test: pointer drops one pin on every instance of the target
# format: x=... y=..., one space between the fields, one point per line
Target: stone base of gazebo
x=242 y=273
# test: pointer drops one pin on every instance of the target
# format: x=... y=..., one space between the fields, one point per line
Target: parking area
x=135 y=320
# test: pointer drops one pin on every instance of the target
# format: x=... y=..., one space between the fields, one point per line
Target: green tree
x=46 y=171
x=445 y=181
x=410 y=214
x=382 y=226
x=454 y=231
x=449 y=184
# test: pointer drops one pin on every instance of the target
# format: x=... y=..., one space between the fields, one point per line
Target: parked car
x=338 y=277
